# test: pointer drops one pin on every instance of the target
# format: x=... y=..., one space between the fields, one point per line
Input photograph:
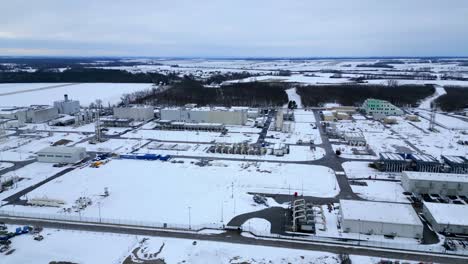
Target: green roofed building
x=380 y=107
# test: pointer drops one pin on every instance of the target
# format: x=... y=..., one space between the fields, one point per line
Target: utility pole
x=99 y=205
x=189 y=218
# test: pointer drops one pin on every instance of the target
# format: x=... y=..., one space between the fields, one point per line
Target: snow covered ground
x=155 y=191
x=86 y=93
x=434 y=143
x=382 y=191
x=426 y=103
x=70 y=246
x=293 y=96
x=361 y=169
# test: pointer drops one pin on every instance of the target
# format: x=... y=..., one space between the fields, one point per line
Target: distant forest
x=355 y=94
x=84 y=75
x=455 y=99
x=257 y=94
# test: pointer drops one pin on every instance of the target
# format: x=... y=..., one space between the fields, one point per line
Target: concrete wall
x=143 y=113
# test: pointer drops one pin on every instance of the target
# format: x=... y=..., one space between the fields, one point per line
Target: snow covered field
x=382 y=191
x=86 y=93
x=379 y=138
x=155 y=191
x=360 y=169
x=433 y=143
x=70 y=246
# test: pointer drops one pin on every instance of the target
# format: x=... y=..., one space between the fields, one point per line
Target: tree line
x=455 y=99
x=355 y=94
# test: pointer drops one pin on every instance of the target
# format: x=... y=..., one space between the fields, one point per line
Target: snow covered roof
x=453 y=214
x=61 y=149
x=379 y=212
x=423 y=158
x=432 y=176
x=391 y=156
x=455 y=159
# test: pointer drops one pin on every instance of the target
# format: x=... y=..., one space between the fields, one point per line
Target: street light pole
x=99 y=205
x=189 y=218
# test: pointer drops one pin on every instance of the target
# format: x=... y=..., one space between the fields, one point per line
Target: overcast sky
x=236 y=28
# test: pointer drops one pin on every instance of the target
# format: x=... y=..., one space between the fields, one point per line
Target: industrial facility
x=66 y=106
x=447 y=218
x=205 y=115
x=61 y=154
x=380 y=107
x=355 y=139
x=32 y=114
x=425 y=162
x=435 y=183
x=456 y=164
x=175 y=125
x=392 y=162
x=134 y=112
x=389 y=219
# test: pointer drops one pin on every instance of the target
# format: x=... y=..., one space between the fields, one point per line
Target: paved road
x=16 y=165
x=38 y=89
x=234 y=237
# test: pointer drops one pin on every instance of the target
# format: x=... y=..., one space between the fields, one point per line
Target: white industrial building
x=205 y=115
x=134 y=112
x=66 y=106
x=32 y=114
x=61 y=154
x=355 y=138
x=435 y=183
x=379 y=218
x=447 y=218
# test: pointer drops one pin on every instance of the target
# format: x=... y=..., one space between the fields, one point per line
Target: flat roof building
x=380 y=218
x=61 y=154
x=355 y=138
x=435 y=183
x=134 y=112
x=447 y=218
x=205 y=115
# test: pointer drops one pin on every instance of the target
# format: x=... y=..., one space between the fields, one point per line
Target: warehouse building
x=32 y=114
x=379 y=218
x=328 y=116
x=425 y=162
x=66 y=106
x=380 y=107
x=435 y=183
x=61 y=154
x=205 y=115
x=457 y=164
x=134 y=112
x=392 y=162
x=447 y=218
x=355 y=139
